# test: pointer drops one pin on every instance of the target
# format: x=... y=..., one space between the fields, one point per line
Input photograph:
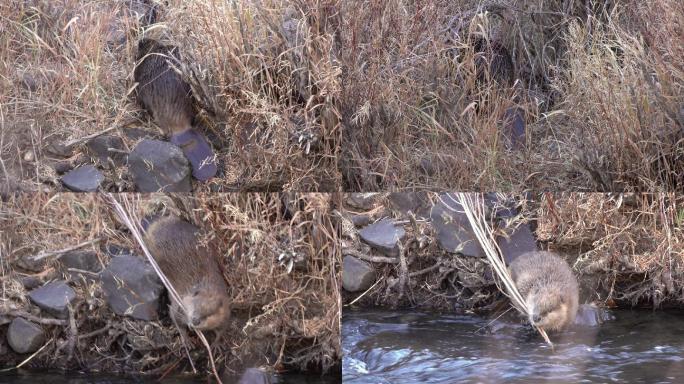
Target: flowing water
x=76 y=378
x=415 y=347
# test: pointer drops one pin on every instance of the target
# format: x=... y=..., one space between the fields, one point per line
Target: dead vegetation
x=427 y=83
x=279 y=255
x=626 y=249
x=262 y=73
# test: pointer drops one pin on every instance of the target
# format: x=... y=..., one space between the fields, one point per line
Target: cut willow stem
x=474 y=209
x=126 y=218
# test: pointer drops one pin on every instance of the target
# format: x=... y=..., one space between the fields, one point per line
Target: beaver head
x=551 y=308
x=206 y=308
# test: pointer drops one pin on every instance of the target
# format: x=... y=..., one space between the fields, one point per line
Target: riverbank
x=412 y=250
x=77 y=295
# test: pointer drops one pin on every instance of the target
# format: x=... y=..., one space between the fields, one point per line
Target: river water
x=76 y=378
x=415 y=347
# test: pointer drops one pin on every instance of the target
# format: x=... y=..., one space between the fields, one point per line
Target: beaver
x=549 y=288
x=168 y=99
x=192 y=270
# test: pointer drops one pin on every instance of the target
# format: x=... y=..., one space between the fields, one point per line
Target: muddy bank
x=412 y=250
x=76 y=293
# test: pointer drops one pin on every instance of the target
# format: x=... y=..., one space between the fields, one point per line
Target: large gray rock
x=131 y=287
x=54 y=298
x=357 y=275
x=159 y=166
x=520 y=240
x=454 y=232
x=383 y=236
x=108 y=150
x=83 y=179
x=24 y=336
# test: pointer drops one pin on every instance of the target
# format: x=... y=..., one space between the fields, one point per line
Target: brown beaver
x=192 y=270
x=168 y=99
x=549 y=288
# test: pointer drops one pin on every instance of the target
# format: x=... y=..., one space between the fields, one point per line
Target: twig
x=373 y=259
x=43 y=255
x=73 y=333
x=36 y=319
x=88 y=137
x=426 y=270
x=365 y=292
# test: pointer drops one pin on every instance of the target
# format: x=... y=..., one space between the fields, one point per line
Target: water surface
x=415 y=347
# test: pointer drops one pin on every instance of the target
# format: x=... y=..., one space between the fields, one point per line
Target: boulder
x=454 y=232
x=83 y=179
x=384 y=236
x=159 y=166
x=24 y=336
x=357 y=275
x=131 y=287
x=54 y=298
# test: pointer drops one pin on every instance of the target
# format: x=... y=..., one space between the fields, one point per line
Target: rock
x=83 y=179
x=106 y=148
x=405 y=202
x=56 y=148
x=357 y=275
x=360 y=220
x=24 y=336
x=159 y=166
x=62 y=167
x=30 y=282
x=383 y=236
x=454 y=233
x=80 y=260
x=520 y=240
x=54 y=298
x=364 y=201
x=589 y=315
x=131 y=287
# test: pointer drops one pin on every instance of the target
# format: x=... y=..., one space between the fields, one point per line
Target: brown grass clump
x=264 y=77
x=426 y=87
x=284 y=318
x=632 y=245
x=627 y=250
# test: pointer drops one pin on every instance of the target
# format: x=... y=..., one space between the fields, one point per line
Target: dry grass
x=282 y=319
x=602 y=85
x=263 y=74
x=626 y=249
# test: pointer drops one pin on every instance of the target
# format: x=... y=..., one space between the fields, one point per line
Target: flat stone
x=54 y=298
x=383 y=236
x=159 y=166
x=520 y=240
x=589 y=315
x=454 y=233
x=500 y=209
x=24 y=336
x=106 y=148
x=83 y=179
x=357 y=275
x=132 y=288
